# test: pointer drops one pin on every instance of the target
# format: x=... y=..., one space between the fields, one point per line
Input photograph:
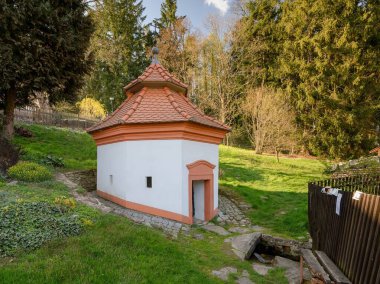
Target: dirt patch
x=85 y=179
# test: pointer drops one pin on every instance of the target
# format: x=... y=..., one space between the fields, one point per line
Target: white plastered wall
x=130 y=162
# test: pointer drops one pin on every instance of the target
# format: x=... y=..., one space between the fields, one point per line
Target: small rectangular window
x=149 y=182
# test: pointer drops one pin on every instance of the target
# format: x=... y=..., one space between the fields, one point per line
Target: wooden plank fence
x=352 y=238
x=61 y=119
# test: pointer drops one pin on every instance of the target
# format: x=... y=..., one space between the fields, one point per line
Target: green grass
x=276 y=191
x=114 y=250
x=77 y=148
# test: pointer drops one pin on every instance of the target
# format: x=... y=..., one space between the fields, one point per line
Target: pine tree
x=168 y=15
x=330 y=67
x=43 y=45
x=119 y=44
x=256 y=43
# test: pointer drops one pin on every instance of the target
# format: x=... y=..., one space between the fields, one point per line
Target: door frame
x=202 y=170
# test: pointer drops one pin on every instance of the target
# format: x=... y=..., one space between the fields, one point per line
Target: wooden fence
x=61 y=119
x=352 y=238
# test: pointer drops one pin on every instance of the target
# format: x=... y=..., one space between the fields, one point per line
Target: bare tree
x=215 y=88
x=269 y=120
x=178 y=49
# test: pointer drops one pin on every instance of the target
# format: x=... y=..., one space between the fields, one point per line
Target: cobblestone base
x=170 y=227
x=230 y=213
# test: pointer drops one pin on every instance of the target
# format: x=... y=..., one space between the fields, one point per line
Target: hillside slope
x=276 y=191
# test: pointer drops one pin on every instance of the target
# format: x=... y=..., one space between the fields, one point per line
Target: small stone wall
x=361 y=165
x=85 y=179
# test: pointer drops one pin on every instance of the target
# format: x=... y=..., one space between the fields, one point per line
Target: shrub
x=87 y=222
x=28 y=225
x=89 y=107
x=9 y=155
x=65 y=202
x=51 y=160
x=29 y=171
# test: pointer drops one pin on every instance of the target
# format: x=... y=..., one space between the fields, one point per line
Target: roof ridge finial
x=155 y=52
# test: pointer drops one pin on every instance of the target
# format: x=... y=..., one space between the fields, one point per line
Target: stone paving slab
x=244 y=280
x=224 y=272
x=292 y=272
x=215 y=229
x=261 y=269
x=240 y=230
x=244 y=245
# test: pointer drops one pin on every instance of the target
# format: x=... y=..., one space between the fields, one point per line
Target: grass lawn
x=114 y=250
x=76 y=147
x=276 y=191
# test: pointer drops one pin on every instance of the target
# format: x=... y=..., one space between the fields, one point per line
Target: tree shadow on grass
x=233 y=171
x=282 y=213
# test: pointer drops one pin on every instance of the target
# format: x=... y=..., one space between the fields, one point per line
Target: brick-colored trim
x=145 y=208
x=159 y=131
x=202 y=170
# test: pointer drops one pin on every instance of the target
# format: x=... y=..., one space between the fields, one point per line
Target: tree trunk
x=9 y=110
x=258 y=149
x=277 y=154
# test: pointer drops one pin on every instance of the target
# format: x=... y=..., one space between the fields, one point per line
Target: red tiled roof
x=375 y=150
x=155 y=73
x=157 y=104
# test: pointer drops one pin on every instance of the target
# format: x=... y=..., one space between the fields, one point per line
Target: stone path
x=292 y=269
x=224 y=272
x=230 y=213
x=261 y=269
x=215 y=229
x=244 y=245
x=91 y=199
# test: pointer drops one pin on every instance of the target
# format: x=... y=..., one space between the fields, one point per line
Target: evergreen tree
x=168 y=15
x=256 y=42
x=43 y=46
x=330 y=66
x=119 y=43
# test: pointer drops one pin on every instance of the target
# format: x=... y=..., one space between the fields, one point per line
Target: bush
x=9 y=155
x=28 y=225
x=51 y=160
x=29 y=171
x=91 y=108
x=65 y=202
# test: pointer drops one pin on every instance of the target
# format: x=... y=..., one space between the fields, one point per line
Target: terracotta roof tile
x=156 y=73
x=157 y=104
x=375 y=150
